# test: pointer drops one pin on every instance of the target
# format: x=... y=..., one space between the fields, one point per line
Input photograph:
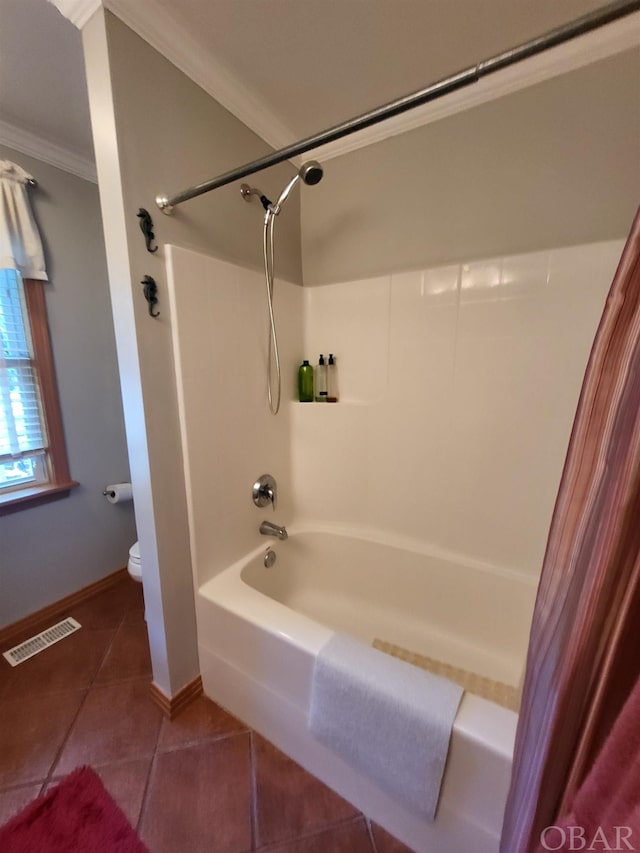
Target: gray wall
x=52 y=550
x=552 y=165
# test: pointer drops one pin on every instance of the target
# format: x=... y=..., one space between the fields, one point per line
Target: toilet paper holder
x=117 y=493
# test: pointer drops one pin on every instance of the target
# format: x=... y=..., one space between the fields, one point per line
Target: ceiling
x=304 y=64
x=314 y=63
x=42 y=83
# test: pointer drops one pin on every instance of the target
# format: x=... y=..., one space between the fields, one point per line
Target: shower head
x=310 y=172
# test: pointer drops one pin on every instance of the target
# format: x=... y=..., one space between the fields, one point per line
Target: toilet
x=133 y=566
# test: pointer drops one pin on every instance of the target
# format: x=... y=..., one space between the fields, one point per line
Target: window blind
x=21 y=423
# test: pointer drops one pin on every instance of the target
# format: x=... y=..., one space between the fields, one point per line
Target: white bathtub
x=260 y=629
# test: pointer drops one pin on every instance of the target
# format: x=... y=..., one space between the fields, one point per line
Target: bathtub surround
x=380 y=715
x=456 y=439
x=218 y=322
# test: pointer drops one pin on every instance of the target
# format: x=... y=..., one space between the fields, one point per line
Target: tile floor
x=202 y=782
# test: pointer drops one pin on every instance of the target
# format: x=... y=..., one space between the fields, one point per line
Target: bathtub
x=260 y=630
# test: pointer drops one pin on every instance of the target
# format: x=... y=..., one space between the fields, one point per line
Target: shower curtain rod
x=585 y=24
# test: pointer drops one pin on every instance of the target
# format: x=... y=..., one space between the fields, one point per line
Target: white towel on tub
x=384 y=716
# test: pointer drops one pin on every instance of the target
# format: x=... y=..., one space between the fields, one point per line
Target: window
x=33 y=463
x=22 y=432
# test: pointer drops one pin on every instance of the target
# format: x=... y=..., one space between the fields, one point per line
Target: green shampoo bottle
x=305 y=382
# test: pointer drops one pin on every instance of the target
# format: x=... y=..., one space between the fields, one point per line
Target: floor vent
x=31 y=647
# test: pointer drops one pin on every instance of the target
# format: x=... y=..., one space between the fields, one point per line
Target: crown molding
x=47 y=151
x=599 y=44
x=152 y=21
x=77 y=11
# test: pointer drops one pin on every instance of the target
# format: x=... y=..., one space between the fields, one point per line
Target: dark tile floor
x=202 y=782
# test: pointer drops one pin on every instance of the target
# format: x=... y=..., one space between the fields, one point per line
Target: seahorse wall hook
x=146 y=226
x=150 y=289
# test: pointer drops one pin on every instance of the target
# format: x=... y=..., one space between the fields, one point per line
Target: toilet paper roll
x=118 y=493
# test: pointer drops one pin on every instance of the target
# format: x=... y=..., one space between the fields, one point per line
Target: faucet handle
x=265 y=491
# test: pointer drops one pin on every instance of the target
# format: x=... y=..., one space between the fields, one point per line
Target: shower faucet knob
x=265 y=491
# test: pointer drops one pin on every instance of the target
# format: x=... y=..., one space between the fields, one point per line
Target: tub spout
x=269 y=529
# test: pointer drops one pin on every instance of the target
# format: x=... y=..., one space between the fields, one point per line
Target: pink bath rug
x=77 y=816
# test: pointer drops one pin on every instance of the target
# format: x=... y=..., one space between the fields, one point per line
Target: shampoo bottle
x=305 y=382
x=321 y=381
x=332 y=381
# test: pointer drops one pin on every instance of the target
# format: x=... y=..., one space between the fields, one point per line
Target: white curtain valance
x=20 y=243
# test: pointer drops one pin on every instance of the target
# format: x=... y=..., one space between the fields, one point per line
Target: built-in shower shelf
x=346 y=400
x=340 y=404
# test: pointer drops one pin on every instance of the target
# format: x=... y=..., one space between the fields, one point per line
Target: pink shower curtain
x=584 y=653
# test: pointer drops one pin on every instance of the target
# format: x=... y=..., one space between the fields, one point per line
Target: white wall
x=458 y=388
x=458 y=391
x=220 y=334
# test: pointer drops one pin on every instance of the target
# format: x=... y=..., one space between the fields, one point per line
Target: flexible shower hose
x=268 y=247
